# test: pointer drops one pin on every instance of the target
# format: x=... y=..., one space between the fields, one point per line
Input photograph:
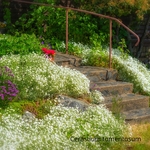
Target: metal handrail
x=92 y=13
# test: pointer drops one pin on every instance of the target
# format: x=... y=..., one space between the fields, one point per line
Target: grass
x=142 y=131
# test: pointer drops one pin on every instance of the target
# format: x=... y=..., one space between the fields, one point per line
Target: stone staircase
x=118 y=95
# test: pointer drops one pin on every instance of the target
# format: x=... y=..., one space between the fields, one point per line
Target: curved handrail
x=110 y=18
x=87 y=12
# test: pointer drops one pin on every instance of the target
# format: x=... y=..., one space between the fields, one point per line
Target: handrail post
x=66 y=30
x=110 y=43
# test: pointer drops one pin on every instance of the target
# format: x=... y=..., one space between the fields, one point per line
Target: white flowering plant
x=96 y=97
x=132 y=70
x=63 y=128
x=36 y=77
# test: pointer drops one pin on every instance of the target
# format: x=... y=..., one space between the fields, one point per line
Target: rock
x=71 y=102
x=28 y=116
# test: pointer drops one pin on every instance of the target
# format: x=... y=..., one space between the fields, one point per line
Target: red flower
x=48 y=51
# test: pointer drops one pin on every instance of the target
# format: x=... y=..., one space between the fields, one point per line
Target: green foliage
x=19 y=44
x=39 y=108
x=49 y=23
x=122 y=47
x=117 y=8
x=97 y=57
x=7 y=13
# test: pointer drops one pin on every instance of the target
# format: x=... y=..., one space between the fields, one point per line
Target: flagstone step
x=118 y=95
x=66 y=60
x=96 y=74
x=126 y=102
x=112 y=87
x=137 y=116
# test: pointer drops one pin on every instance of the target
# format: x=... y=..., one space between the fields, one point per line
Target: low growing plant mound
x=36 y=77
x=130 y=69
x=62 y=128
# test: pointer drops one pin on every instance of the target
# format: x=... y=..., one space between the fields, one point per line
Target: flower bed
x=62 y=128
x=36 y=77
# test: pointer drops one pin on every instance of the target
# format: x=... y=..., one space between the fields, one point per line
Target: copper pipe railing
x=110 y=43
x=91 y=13
x=66 y=31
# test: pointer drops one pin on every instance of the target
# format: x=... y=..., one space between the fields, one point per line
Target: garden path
x=119 y=96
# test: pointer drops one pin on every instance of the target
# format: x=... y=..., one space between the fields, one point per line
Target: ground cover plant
x=134 y=71
x=36 y=79
x=62 y=128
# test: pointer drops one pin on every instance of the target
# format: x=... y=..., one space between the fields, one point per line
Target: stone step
x=126 y=102
x=66 y=60
x=96 y=74
x=118 y=95
x=112 y=87
x=137 y=116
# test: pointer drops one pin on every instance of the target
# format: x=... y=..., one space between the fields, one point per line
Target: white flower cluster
x=97 y=97
x=63 y=128
x=38 y=77
x=133 y=71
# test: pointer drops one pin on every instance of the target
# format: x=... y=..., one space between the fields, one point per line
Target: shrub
x=46 y=21
x=19 y=44
x=36 y=77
